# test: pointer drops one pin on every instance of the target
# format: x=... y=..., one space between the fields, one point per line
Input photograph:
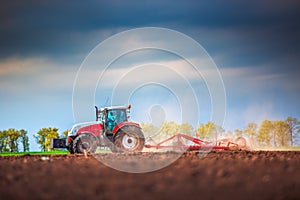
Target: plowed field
x=219 y=175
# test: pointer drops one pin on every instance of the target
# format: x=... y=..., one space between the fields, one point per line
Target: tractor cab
x=111 y=117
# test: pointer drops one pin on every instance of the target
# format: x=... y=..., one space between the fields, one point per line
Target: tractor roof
x=116 y=107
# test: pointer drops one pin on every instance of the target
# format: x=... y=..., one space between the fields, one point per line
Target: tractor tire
x=241 y=142
x=129 y=139
x=70 y=148
x=84 y=144
x=114 y=149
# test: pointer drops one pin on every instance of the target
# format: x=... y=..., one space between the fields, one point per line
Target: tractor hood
x=76 y=127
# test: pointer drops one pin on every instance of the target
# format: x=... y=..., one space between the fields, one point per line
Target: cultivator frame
x=198 y=144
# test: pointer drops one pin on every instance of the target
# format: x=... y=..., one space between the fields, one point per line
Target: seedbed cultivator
x=179 y=142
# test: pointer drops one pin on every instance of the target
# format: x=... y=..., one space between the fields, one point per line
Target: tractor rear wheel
x=84 y=144
x=129 y=139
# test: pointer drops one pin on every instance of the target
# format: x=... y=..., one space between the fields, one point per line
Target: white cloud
x=252 y=112
x=18 y=74
x=14 y=65
x=255 y=79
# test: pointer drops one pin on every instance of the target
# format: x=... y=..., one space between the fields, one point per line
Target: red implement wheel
x=241 y=142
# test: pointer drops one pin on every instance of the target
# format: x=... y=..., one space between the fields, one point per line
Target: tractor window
x=115 y=117
x=121 y=116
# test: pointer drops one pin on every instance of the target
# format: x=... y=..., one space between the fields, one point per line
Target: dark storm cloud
x=44 y=27
x=58 y=28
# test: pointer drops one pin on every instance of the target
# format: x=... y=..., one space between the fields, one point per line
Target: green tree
x=294 y=128
x=149 y=129
x=228 y=134
x=169 y=128
x=205 y=131
x=281 y=130
x=4 y=141
x=186 y=128
x=251 y=130
x=10 y=139
x=209 y=131
x=238 y=132
x=64 y=134
x=24 y=140
x=265 y=132
x=221 y=131
x=13 y=139
x=43 y=137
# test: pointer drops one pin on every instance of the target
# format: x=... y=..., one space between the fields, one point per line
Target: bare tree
x=294 y=128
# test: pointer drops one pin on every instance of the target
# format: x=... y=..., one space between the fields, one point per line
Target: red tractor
x=111 y=129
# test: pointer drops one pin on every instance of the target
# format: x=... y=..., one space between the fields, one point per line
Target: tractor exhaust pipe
x=97 y=113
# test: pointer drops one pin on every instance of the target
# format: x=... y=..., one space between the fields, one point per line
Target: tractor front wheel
x=70 y=148
x=129 y=139
x=84 y=144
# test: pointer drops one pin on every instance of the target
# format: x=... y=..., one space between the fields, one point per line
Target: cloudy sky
x=255 y=45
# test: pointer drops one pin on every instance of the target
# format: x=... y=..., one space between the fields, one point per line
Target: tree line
x=274 y=132
x=11 y=139
x=267 y=133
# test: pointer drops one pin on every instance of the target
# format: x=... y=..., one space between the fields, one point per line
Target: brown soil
x=220 y=175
